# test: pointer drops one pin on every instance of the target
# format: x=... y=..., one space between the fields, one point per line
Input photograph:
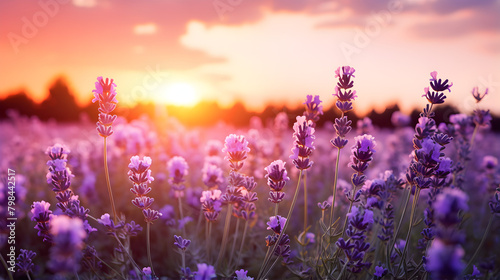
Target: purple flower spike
x=40 y=211
x=477 y=95
x=444 y=261
x=205 y=272
x=313 y=108
x=276 y=171
x=181 y=243
x=236 y=147
x=58 y=151
x=105 y=94
x=140 y=175
x=436 y=95
x=68 y=238
x=303 y=144
x=25 y=261
x=106 y=221
x=147 y=270
x=137 y=165
x=178 y=168
x=212 y=175
x=380 y=271
x=276 y=223
x=151 y=215
x=242 y=275
x=42 y=216
x=448 y=204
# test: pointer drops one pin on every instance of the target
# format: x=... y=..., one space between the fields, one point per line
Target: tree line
x=61 y=106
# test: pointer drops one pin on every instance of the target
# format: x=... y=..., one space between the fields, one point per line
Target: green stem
x=395 y=235
x=148 y=241
x=6 y=267
x=268 y=255
x=28 y=274
x=209 y=235
x=305 y=202
x=412 y=214
x=183 y=254
x=234 y=241
x=480 y=243
x=335 y=185
x=349 y=210
x=226 y=233
x=182 y=215
x=342 y=271
x=108 y=184
x=242 y=242
x=106 y=264
x=476 y=128
x=271 y=267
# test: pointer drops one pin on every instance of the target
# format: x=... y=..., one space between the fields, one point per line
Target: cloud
x=145 y=29
x=85 y=3
x=463 y=22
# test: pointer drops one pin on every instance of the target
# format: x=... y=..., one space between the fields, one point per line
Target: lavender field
x=282 y=198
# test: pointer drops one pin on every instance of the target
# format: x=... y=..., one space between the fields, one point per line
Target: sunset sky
x=256 y=51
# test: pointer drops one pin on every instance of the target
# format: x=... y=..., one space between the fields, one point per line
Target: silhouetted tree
x=19 y=102
x=383 y=119
x=60 y=104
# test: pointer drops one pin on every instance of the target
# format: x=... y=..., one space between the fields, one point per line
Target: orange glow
x=179 y=94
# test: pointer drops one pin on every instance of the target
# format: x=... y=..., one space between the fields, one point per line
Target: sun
x=179 y=94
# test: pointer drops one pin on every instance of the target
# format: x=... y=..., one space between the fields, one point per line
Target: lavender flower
x=42 y=216
x=106 y=221
x=448 y=204
x=276 y=179
x=148 y=273
x=25 y=261
x=482 y=118
x=242 y=275
x=59 y=177
x=364 y=126
x=355 y=246
x=380 y=271
x=477 y=95
x=444 y=261
x=212 y=175
x=140 y=175
x=436 y=96
x=344 y=95
x=489 y=163
x=399 y=119
x=313 y=109
x=131 y=229
x=181 y=243
x=68 y=235
x=211 y=204
x=178 y=169
x=444 y=257
x=105 y=93
x=276 y=224
x=303 y=144
x=205 y=272
x=362 y=153
x=236 y=147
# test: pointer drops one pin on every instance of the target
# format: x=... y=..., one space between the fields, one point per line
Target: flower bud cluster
x=105 y=93
x=140 y=175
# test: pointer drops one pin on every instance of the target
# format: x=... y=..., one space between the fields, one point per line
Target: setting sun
x=179 y=94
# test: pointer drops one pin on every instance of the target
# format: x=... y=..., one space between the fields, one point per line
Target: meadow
x=278 y=199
